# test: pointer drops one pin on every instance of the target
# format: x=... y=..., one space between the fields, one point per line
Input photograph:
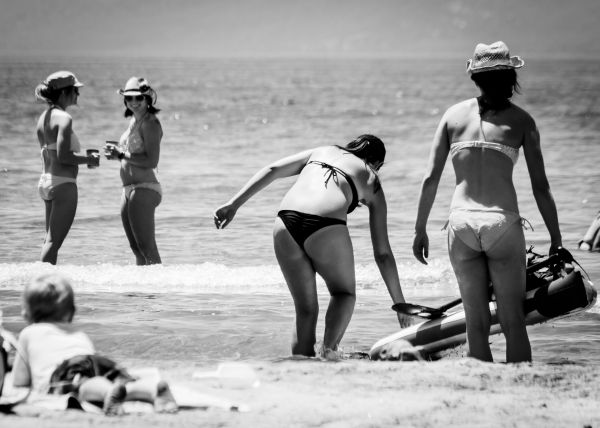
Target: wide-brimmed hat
x=492 y=57
x=138 y=86
x=62 y=79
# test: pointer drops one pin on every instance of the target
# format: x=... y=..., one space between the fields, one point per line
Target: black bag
x=65 y=377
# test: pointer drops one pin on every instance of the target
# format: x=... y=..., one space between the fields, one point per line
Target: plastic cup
x=91 y=152
x=108 y=147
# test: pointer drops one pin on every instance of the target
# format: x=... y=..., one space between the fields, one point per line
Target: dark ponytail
x=367 y=147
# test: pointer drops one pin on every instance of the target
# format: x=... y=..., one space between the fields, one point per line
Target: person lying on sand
x=54 y=357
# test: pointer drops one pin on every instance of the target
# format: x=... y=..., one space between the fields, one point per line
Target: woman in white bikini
x=485 y=236
x=139 y=151
x=59 y=145
x=310 y=233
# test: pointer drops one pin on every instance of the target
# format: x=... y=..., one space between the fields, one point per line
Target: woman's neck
x=139 y=115
x=59 y=105
x=487 y=103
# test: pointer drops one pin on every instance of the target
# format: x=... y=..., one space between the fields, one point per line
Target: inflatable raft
x=552 y=292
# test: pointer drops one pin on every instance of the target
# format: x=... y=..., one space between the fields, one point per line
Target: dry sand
x=361 y=393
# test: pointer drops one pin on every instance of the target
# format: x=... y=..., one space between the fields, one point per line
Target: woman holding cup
x=59 y=145
x=138 y=150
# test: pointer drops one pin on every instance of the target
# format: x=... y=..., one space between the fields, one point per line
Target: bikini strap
x=332 y=172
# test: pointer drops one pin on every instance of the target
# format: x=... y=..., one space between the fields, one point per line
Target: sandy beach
x=311 y=393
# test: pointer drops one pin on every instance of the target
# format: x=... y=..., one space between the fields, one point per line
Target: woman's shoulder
x=151 y=123
x=60 y=118
x=522 y=115
x=462 y=107
x=60 y=113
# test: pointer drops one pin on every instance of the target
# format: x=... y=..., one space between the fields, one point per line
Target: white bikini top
x=75 y=144
x=511 y=152
x=132 y=141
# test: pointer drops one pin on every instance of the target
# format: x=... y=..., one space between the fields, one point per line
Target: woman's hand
x=93 y=159
x=421 y=246
x=555 y=248
x=223 y=215
x=112 y=151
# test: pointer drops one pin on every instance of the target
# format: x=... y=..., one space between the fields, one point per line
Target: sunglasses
x=136 y=97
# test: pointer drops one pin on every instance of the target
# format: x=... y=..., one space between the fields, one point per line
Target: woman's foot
x=113 y=400
x=329 y=354
x=164 y=401
x=584 y=246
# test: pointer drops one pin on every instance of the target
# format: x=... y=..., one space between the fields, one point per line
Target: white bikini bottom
x=151 y=186
x=48 y=184
x=481 y=229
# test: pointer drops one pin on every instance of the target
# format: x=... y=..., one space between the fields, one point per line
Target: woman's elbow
x=382 y=257
x=540 y=188
x=431 y=180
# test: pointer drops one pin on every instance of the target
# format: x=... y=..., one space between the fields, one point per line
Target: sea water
x=219 y=293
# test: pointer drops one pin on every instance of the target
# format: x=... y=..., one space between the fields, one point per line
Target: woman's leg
x=139 y=259
x=330 y=250
x=507 y=264
x=141 y=207
x=300 y=277
x=100 y=390
x=48 y=211
x=60 y=213
x=591 y=239
x=470 y=268
x=152 y=391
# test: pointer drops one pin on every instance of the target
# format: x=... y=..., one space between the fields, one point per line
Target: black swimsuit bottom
x=302 y=225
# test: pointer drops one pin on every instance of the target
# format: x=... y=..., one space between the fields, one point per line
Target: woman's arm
x=384 y=257
x=152 y=133
x=285 y=167
x=540 y=185
x=63 y=142
x=435 y=167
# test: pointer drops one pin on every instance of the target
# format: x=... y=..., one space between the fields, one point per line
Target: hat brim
x=131 y=92
x=134 y=92
x=513 y=63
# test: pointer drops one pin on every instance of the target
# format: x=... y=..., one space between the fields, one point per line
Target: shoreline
x=355 y=393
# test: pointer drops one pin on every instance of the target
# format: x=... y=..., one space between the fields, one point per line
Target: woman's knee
x=307 y=309
x=347 y=295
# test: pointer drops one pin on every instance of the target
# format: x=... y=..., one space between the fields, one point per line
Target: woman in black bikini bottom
x=310 y=234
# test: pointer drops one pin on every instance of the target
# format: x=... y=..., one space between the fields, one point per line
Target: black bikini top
x=333 y=172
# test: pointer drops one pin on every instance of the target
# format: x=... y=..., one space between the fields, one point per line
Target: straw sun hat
x=138 y=86
x=492 y=57
x=61 y=80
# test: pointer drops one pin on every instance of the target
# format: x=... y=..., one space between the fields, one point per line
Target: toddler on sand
x=56 y=357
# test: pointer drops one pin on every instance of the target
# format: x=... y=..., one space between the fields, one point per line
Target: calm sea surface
x=220 y=293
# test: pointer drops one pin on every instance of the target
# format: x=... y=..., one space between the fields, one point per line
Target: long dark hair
x=151 y=108
x=497 y=84
x=367 y=147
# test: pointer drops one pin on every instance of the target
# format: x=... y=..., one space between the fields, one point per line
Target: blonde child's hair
x=49 y=298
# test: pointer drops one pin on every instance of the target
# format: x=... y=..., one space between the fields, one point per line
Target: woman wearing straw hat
x=138 y=151
x=486 y=243
x=59 y=145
